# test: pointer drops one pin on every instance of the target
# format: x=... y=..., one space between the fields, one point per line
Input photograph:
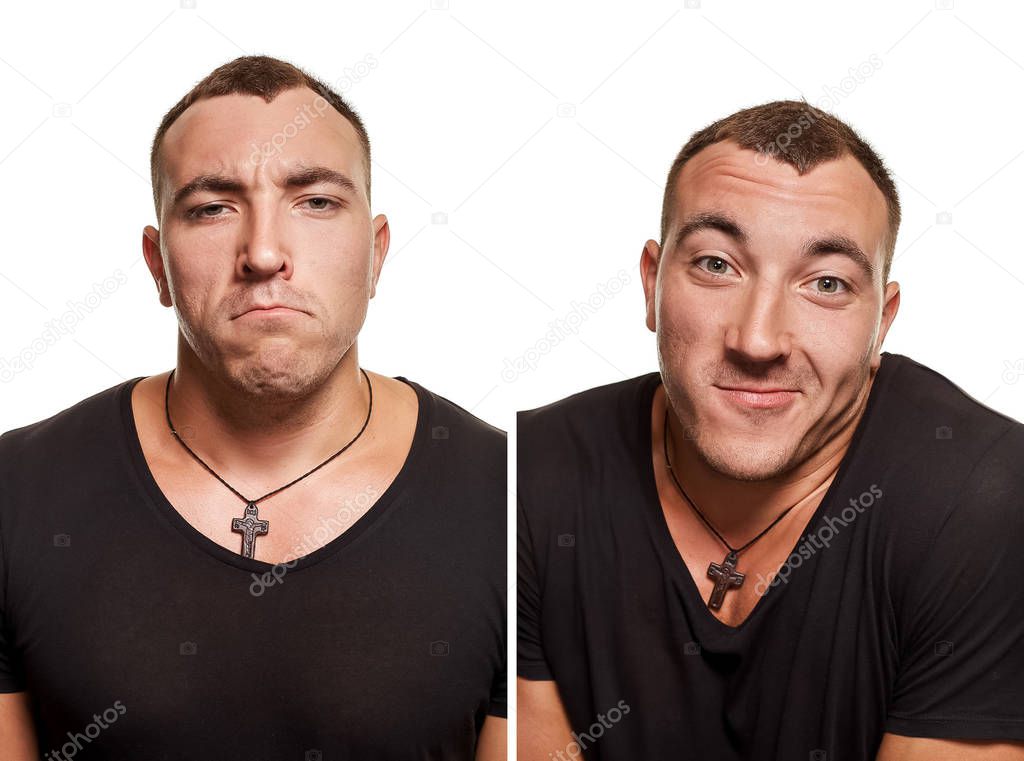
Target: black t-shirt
x=910 y=620
x=137 y=636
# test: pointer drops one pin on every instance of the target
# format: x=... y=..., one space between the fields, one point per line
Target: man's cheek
x=686 y=327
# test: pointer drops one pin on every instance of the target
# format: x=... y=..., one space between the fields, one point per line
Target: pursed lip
x=757 y=389
x=260 y=307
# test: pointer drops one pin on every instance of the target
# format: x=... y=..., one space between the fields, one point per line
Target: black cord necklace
x=249 y=525
x=724 y=574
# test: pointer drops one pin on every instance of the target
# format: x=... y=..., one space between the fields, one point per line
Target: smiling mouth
x=767 y=399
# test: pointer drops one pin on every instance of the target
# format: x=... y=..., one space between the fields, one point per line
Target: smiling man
x=787 y=543
x=267 y=552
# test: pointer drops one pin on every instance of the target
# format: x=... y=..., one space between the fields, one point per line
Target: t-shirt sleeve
x=11 y=675
x=499 y=692
x=961 y=620
x=530 y=661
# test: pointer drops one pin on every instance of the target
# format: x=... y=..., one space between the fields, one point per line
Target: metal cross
x=725 y=576
x=249 y=527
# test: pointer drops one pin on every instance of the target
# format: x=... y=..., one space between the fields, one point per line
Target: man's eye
x=718 y=264
x=200 y=212
x=317 y=207
x=832 y=285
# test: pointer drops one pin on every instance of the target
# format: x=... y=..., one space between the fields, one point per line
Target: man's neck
x=741 y=509
x=266 y=435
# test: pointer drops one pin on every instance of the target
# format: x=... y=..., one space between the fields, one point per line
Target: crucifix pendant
x=726 y=577
x=249 y=527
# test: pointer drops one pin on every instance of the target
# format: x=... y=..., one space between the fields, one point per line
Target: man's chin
x=271 y=380
x=744 y=460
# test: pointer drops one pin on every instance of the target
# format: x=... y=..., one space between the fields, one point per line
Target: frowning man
x=267 y=552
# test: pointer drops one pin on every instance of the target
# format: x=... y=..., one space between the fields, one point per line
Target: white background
x=462 y=106
x=542 y=133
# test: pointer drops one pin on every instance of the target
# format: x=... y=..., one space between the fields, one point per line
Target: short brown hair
x=254 y=75
x=769 y=130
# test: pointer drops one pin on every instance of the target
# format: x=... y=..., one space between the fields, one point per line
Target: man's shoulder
x=588 y=410
x=471 y=438
x=74 y=426
x=929 y=406
x=941 y=452
x=447 y=410
x=952 y=499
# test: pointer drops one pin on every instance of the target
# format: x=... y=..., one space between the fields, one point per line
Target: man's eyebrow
x=216 y=183
x=843 y=245
x=311 y=175
x=711 y=220
x=300 y=178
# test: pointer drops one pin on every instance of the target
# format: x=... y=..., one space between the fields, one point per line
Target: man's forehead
x=237 y=135
x=724 y=170
x=274 y=170
x=726 y=159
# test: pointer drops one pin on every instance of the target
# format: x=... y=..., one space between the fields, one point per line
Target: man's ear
x=890 y=307
x=155 y=263
x=649 y=260
x=381 y=242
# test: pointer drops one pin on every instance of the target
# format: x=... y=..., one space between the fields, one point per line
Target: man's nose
x=760 y=329
x=262 y=248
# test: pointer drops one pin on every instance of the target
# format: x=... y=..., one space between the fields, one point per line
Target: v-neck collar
x=703 y=621
x=156 y=499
